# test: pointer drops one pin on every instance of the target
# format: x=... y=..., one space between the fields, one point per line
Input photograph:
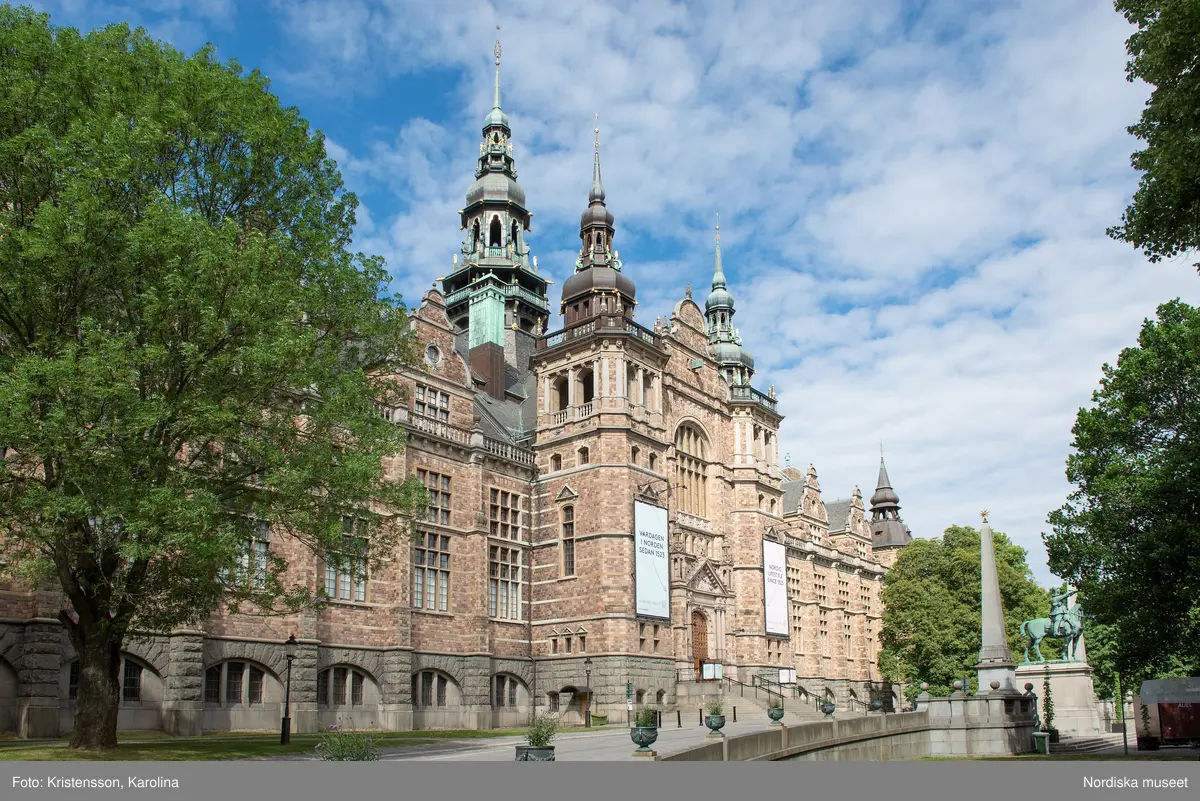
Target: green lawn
x=141 y=746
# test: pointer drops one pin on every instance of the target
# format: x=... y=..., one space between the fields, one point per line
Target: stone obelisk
x=995 y=660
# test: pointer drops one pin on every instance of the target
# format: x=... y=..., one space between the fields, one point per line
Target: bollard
x=701 y=717
x=678 y=719
x=735 y=714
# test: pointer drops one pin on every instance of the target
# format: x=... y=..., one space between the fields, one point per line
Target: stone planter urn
x=643 y=737
x=828 y=708
x=532 y=753
x=775 y=713
x=714 y=723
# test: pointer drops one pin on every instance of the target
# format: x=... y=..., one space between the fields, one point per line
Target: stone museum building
x=538 y=419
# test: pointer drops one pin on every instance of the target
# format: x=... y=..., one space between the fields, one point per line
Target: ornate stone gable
x=706 y=579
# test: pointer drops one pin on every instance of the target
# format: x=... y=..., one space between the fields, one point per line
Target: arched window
x=691 y=458
x=508 y=692
x=634 y=452
x=139 y=681
x=641 y=697
x=475 y=237
x=513 y=238
x=660 y=697
x=568 y=540
x=552 y=701
x=345 y=685
x=432 y=689
x=587 y=386
x=653 y=461
x=237 y=683
x=555 y=463
x=496 y=232
x=560 y=395
x=584 y=456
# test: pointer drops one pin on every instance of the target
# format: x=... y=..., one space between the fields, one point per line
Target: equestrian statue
x=1064 y=621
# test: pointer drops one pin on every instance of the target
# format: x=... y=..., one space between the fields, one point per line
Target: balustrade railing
x=609 y=323
x=744 y=394
x=508 y=451
x=437 y=428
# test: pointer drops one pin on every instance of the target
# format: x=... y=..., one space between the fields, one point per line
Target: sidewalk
x=609 y=744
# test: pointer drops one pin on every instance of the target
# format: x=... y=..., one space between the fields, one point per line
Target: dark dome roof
x=884 y=495
x=604 y=278
x=732 y=353
x=596 y=214
x=496 y=186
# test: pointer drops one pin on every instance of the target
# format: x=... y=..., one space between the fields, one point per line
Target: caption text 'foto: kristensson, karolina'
x=75 y=783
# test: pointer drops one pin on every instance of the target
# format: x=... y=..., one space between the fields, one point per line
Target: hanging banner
x=775 y=596
x=652 y=585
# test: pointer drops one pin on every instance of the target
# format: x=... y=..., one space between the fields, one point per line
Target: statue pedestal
x=1076 y=713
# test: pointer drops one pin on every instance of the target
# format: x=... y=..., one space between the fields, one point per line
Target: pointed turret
x=598 y=286
x=887 y=528
x=495 y=296
x=736 y=363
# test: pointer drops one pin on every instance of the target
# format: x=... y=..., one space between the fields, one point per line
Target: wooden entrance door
x=699 y=638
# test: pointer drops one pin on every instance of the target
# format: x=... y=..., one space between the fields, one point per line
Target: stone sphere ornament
x=924 y=686
x=958 y=685
x=995 y=685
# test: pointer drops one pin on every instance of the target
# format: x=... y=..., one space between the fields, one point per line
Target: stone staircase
x=1088 y=745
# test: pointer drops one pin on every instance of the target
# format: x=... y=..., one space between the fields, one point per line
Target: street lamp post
x=587 y=671
x=290 y=646
x=1125 y=721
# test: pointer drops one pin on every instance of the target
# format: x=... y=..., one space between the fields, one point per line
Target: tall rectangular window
x=504 y=513
x=254 y=688
x=504 y=582
x=212 y=685
x=339 y=687
x=568 y=540
x=356 y=689
x=131 y=684
x=323 y=688
x=429 y=402
x=437 y=509
x=233 y=682
x=431 y=573
x=346 y=570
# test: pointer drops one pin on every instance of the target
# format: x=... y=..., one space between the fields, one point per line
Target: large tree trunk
x=99 y=698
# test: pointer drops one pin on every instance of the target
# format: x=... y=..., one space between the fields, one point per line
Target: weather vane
x=984 y=515
x=718 y=226
x=497 y=49
x=596 y=130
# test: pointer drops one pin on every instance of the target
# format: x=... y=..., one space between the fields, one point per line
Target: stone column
x=995 y=661
x=38 y=703
x=183 y=691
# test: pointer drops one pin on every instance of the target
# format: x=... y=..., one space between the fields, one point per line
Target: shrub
x=646 y=718
x=542 y=730
x=346 y=745
x=1145 y=720
x=1047 y=704
x=716 y=706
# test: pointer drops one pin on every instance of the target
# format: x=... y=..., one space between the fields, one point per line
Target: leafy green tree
x=188 y=348
x=932 y=613
x=1129 y=535
x=1164 y=218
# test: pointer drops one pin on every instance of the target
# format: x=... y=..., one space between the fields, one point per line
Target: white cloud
x=913 y=206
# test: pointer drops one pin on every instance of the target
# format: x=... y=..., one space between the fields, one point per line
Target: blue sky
x=913 y=195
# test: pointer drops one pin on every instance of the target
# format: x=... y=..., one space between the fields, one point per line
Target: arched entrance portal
x=699 y=638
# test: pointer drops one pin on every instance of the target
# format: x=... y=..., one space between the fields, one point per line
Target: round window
x=433 y=355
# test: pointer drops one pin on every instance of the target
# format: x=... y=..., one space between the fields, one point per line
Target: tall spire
x=497 y=115
x=887 y=528
x=597 y=193
x=718 y=271
x=995 y=660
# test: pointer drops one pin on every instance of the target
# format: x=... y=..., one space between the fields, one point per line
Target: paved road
x=607 y=744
